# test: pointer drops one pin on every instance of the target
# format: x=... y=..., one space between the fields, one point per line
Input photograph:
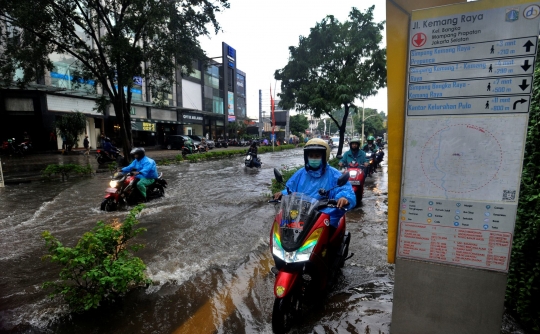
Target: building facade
x=201 y=103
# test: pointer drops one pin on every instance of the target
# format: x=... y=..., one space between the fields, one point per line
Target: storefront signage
x=192 y=118
x=470 y=79
x=143 y=126
x=231 y=56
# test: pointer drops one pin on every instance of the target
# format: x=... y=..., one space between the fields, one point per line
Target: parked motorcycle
x=252 y=161
x=222 y=143
x=9 y=147
x=123 y=190
x=103 y=158
x=307 y=252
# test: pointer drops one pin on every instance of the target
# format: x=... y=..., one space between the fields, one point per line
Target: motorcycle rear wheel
x=100 y=160
x=283 y=313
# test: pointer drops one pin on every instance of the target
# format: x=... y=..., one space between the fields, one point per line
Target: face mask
x=314 y=163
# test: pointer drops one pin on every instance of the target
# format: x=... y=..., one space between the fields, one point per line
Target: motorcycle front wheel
x=283 y=313
x=108 y=205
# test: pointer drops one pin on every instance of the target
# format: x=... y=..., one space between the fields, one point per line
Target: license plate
x=111 y=190
x=355 y=183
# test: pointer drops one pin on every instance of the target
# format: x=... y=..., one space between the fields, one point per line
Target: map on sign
x=462 y=158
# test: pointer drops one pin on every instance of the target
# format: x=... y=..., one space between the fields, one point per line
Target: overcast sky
x=262 y=31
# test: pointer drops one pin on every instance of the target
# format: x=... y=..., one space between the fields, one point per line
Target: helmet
x=355 y=141
x=107 y=139
x=317 y=144
x=139 y=151
x=370 y=138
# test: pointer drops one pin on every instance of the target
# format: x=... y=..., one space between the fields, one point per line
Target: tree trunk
x=342 y=128
x=124 y=121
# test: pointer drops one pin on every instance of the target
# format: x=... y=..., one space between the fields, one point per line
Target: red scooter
x=357 y=179
x=308 y=253
x=123 y=190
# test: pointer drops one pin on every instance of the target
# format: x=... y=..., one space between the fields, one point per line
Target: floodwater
x=206 y=252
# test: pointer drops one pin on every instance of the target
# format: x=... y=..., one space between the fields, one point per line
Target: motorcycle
x=123 y=190
x=252 y=161
x=102 y=157
x=221 y=143
x=357 y=179
x=371 y=158
x=307 y=254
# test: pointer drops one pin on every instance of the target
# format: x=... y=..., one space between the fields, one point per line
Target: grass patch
x=66 y=170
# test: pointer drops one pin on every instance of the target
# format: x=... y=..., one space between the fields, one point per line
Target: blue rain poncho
x=146 y=167
x=309 y=183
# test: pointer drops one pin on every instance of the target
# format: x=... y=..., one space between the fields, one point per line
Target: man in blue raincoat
x=146 y=170
x=319 y=174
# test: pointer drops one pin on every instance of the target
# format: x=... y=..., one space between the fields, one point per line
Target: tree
x=337 y=64
x=113 y=42
x=70 y=127
x=298 y=124
x=373 y=124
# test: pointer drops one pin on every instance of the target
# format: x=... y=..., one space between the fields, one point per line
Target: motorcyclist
x=144 y=169
x=318 y=174
x=354 y=154
x=189 y=144
x=203 y=146
x=371 y=147
x=109 y=149
x=253 y=150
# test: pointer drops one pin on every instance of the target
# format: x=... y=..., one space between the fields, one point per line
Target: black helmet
x=139 y=151
x=107 y=139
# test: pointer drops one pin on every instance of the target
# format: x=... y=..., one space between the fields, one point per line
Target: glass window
x=240 y=85
x=241 y=107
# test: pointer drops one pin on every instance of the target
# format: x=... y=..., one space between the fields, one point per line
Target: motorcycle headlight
x=353 y=174
x=277 y=249
x=304 y=252
x=113 y=183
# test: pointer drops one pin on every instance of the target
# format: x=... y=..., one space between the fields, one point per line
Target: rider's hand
x=278 y=195
x=342 y=202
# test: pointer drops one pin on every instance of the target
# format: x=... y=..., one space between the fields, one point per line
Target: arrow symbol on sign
x=528 y=45
x=519 y=101
x=526 y=65
x=524 y=84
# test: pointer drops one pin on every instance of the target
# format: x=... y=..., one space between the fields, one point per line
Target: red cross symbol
x=419 y=39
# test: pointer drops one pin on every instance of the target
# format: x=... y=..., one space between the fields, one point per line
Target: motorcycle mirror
x=278 y=176
x=339 y=157
x=322 y=192
x=343 y=179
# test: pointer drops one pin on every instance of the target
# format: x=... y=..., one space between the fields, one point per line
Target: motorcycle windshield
x=298 y=213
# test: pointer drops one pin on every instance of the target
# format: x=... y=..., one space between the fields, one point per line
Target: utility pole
x=261 y=121
x=362 y=123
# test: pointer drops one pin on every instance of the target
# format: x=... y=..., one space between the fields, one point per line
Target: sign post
x=470 y=76
x=1 y=176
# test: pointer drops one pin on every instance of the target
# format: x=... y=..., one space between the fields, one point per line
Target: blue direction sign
x=469 y=106
x=473 y=69
x=465 y=88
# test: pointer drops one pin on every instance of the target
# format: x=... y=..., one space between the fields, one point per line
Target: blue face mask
x=314 y=163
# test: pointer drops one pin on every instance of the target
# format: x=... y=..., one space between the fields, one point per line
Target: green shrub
x=523 y=289
x=287 y=172
x=101 y=265
x=164 y=162
x=66 y=170
x=179 y=158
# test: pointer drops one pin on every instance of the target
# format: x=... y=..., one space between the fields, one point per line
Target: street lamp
x=363 y=121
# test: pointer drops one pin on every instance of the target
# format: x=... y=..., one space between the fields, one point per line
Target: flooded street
x=206 y=252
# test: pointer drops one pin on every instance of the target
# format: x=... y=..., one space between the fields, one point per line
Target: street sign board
x=470 y=76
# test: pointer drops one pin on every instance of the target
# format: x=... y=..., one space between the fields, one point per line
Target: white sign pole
x=470 y=77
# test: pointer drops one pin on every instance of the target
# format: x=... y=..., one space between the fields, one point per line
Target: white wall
x=191 y=95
